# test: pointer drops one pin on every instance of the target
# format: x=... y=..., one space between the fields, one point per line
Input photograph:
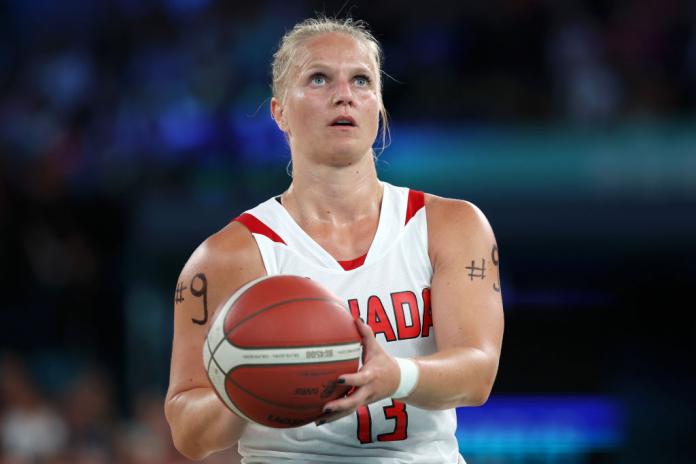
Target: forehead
x=336 y=48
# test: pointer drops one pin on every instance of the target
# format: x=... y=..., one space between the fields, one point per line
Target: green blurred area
x=648 y=160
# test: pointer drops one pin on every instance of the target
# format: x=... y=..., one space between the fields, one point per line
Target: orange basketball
x=277 y=347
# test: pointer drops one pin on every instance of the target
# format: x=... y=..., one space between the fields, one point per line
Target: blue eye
x=362 y=81
x=318 y=79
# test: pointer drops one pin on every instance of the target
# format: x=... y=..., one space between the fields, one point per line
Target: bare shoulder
x=222 y=263
x=448 y=215
x=232 y=249
x=456 y=225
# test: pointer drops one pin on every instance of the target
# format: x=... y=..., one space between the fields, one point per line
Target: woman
x=420 y=270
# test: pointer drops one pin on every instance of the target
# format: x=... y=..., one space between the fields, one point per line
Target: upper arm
x=466 y=302
x=219 y=266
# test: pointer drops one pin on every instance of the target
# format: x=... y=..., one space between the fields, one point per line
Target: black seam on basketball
x=226 y=307
x=312 y=362
x=207 y=342
x=274 y=305
x=267 y=308
x=273 y=403
x=207 y=372
x=304 y=362
x=286 y=347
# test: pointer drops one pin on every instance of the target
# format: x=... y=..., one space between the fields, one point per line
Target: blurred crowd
x=101 y=94
x=80 y=423
x=103 y=102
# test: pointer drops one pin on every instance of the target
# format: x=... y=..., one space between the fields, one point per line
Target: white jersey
x=389 y=288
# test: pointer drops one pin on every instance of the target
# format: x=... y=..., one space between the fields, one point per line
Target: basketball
x=276 y=348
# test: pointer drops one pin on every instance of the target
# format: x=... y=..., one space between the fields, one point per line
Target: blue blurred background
x=130 y=130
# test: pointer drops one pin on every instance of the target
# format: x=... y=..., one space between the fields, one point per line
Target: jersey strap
x=255 y=226
x=416 y=201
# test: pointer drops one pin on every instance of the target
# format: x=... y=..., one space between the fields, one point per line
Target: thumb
x=365 y=331
x=369 y=342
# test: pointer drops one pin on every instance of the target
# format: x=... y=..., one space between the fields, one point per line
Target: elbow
x=479 y=398
x=479 y=394
x=189 y=452
x=182 y=438
x=187 y=447
x=199 y=425
x=469 y=398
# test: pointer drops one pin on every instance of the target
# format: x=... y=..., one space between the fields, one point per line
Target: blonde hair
x=287 y=51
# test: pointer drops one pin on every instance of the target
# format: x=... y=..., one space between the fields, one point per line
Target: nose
x=343 y=94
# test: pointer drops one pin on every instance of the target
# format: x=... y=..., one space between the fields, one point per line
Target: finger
x=364 y=330
x=324 y=415
x=333 y=416
x=341 y=405
x=358 y=379
x=369 y=342
x=339 y=408
x=348 y=403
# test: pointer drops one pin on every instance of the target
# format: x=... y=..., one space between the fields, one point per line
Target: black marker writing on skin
x=179 y=295
x=199 y=288
x=475 y=271
x=494 y=258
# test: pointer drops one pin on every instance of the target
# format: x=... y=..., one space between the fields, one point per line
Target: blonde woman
x=421 y=271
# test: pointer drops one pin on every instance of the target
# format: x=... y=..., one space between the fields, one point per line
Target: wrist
x=408 y=379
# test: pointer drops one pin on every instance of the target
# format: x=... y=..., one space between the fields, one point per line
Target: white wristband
x=409 y=377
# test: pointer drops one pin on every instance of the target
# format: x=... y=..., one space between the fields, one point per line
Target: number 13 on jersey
x=395 y=412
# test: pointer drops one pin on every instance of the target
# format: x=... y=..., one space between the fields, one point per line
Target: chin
x=348 y=156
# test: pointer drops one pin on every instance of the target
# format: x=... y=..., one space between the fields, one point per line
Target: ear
x=277 y=110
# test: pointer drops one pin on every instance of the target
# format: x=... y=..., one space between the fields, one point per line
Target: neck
x=334 y=194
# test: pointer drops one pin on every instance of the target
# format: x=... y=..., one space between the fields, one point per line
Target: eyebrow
x=319 y=66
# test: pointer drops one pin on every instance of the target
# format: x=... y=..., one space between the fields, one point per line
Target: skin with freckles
x=335 y=77
x=329 y=109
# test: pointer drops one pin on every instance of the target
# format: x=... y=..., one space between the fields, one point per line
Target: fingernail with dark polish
x=327 y=411
x=341 y=381
x=321 y=422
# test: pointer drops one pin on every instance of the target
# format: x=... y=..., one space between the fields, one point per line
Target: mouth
x=343 y=121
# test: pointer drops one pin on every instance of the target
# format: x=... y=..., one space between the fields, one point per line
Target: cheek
x=374 y=107
x=299 y=111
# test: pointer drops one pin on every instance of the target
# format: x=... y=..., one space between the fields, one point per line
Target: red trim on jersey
x=353 y=263
x=255 y=226
x=416 y=200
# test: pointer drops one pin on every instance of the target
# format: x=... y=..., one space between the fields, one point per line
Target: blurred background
x=130 y=130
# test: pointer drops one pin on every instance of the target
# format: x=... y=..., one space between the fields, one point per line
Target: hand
x=377 y=379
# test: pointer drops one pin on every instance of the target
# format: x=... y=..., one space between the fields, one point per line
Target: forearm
x=454 y=377
x=201 y=424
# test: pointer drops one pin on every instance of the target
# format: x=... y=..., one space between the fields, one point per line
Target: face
x=330 y=112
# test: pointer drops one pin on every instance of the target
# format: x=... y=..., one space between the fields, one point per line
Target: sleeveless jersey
x=389 y=288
